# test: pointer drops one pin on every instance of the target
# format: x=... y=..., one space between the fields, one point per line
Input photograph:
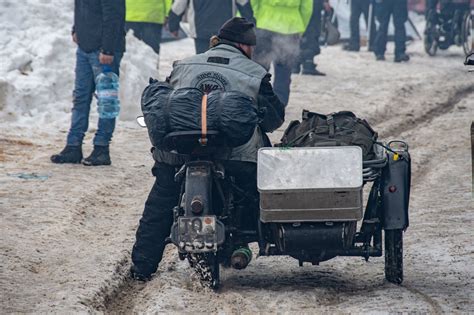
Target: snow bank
x=37 y=60
x=37 y=55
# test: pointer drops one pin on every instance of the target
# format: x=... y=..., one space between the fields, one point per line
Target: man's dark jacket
x=100 y=25
x=207 y=17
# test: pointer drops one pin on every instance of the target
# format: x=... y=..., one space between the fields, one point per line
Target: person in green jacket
x=146 y=19
x=280 y=24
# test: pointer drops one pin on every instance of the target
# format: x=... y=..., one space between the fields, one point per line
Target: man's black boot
x=296 y=69
x=99 y=156
x=70 y=154
x=309 y=68
x=379 y=57
x=402 y=58
x=350 y=47
x=135 y=274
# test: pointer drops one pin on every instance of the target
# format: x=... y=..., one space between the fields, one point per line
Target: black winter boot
x=296 y=69
x=402 y=58
x=309 y=68
x=99 y=156
x=70 y=154
x=135 y=274
x=350 y=47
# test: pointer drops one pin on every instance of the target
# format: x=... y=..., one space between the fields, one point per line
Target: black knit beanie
x=238 y=30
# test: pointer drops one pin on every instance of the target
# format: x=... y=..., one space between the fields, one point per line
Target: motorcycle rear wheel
x=213 y=262
x=394 y=256
x=207 y=268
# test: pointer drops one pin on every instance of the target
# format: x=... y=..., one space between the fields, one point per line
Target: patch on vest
x=221 y=60
x=210 y=81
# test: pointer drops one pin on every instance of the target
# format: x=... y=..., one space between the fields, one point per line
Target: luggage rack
x=372 y=169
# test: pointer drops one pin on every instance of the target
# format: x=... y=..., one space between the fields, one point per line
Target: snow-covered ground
x=67 y=230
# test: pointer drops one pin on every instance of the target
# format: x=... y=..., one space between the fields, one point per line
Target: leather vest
x=226 y=68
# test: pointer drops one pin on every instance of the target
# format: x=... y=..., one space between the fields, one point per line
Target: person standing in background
x=383 y=10
x=359 y=7
x=205 y=18
x=280 y=25
x=146 y=19
x=99 y=32
x=309 y=46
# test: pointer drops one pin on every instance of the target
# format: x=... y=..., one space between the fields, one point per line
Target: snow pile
x=37 y=60
x=139 y=63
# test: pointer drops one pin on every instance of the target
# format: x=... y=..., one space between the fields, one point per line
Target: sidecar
x=312 y=203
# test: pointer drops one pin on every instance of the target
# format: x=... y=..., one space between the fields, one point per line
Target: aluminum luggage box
x=313 y=184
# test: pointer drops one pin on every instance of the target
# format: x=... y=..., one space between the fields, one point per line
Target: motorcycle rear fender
x=396 y=178
x=198 y=185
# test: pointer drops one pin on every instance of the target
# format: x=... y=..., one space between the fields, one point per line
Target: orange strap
x=204 y=120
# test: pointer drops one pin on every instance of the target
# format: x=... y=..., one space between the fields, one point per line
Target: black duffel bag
x=166 y=110
x=336 y=129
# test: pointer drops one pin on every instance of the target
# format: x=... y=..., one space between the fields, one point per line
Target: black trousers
x=309 y=45
x=150 y=33
x=201 y=45
x=383 y=10
x=281 y=50
x=359 y=7
x=157 y=219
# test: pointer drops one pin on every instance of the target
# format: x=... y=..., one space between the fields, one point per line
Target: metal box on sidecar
x=311 y=184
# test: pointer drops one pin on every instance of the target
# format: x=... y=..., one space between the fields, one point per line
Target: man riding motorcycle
x=226 y=66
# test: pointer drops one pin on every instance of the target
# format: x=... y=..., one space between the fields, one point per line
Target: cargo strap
x=167 y=110
x=330 y=122
x=203 y=140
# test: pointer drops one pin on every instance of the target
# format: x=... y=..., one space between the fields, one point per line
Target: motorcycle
x=445 y=30
x=311 y=201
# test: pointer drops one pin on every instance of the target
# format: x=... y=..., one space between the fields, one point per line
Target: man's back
x=223 y=67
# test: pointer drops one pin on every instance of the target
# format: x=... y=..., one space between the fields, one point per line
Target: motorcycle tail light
x=197 y=205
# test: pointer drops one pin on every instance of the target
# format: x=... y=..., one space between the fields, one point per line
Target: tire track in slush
x=439 y=110
x=428 y=299
x=122 y=298
x=409 y=123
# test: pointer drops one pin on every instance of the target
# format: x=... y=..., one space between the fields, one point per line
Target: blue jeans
x=87 y=69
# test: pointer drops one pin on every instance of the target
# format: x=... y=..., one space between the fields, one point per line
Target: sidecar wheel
x=394 y=256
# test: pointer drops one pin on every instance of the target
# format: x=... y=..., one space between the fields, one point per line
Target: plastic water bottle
x=107 y=87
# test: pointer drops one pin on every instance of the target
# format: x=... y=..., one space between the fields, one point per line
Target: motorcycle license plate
x=197 y=234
